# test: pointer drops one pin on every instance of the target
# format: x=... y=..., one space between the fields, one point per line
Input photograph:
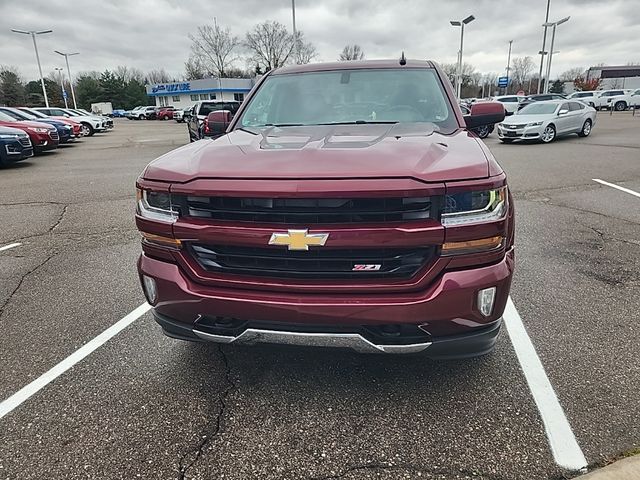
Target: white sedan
x=547 y=120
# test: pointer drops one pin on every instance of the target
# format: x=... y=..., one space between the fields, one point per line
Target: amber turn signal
x=162 y=241
x=472 y=246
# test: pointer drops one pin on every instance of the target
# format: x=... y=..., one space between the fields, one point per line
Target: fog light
x=150 y=289
x=486 y=296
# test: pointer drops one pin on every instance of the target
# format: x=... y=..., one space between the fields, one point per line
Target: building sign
x=172 y=87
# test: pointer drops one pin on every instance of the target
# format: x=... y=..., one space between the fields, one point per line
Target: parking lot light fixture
x=551 y=52
x=33 y=34
x=461 y=24
x=66 y=58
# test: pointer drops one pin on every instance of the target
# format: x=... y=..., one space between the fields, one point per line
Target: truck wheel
x=87 y=130
x=620 y=106
x=549 y=134
x=586 y=129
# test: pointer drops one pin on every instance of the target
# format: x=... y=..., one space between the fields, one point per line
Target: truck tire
x=620 y=106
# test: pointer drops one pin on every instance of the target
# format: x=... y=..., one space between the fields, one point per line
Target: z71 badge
x=366 y=267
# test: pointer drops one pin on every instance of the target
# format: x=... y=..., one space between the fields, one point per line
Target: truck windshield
x=351 y=96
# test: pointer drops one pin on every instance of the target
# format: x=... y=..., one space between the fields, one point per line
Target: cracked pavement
x=146 y=406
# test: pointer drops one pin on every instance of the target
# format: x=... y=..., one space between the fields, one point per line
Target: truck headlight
x=156 y=206
x=475 y=207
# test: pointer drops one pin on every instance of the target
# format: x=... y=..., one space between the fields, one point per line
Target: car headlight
x=156 y=206
x=8 y=136
x=41 y=130
x=475 y=207
x=534 y=124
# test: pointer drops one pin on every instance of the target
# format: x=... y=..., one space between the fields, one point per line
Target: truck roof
x=352 y=65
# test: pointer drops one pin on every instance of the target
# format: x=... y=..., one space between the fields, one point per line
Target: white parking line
x=564 y=447
x=11 y=245
x=43 y=380
x=613 y=185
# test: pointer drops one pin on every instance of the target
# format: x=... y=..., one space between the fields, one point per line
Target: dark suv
x=347 y=205
x=196 y=116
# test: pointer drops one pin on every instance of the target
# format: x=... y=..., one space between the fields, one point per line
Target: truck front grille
x=24 y=141
x=54 y=135
x=324 y=263
x=309 y=211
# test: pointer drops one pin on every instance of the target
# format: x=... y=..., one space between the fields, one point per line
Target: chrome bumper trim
x=354 y=341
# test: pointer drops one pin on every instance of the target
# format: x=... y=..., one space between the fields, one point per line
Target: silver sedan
x=544 y=121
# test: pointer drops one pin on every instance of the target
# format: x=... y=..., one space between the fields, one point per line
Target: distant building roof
x=619 y=71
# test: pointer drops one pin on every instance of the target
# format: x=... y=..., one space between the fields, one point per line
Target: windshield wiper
x=283 y=125
x=359 y=122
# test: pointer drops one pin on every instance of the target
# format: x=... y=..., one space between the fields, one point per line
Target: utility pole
x=461 y=24
x=553 y=38
x=35 y=47
x=66 y=59
x=544 y=44
x=508 y=67
x=296 y=50
x=64 y=93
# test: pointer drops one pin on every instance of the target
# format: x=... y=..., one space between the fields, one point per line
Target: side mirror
x=563 y=112
x=217 y=122
x=484 y=113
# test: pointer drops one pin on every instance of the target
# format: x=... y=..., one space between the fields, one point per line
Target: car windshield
x=6 y=118
x=13 y=115
x=350 y=96
x=538 y=109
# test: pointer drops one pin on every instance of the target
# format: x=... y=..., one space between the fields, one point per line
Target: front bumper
x=520 y=133
x=445 y=312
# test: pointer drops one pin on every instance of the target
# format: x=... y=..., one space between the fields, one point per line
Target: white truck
x=622 y=102
x=603 y=100
x=102 y=108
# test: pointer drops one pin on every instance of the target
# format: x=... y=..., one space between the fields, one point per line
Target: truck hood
x=321 y=152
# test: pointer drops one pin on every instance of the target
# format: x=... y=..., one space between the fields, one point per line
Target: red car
x=165 y=113
x=43 y=136
x=76 y=126
x=347 y=205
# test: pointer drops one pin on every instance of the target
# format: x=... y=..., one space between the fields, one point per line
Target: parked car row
x=25 y=131
x=153 y=113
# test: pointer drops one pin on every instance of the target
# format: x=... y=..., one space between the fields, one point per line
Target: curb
x=625 y=469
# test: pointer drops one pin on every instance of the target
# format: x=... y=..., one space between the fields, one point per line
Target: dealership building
x=185 y=94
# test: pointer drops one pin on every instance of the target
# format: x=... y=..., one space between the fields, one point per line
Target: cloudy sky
x=149 y=34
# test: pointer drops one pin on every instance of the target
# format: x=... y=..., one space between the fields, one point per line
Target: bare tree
x=214 y=47
x=270 y=44
x=158 y=75
x=193 y=68
x=129 y=73
x=571 y=74
x=351 y=52
x=521 y=70
x=305 y=52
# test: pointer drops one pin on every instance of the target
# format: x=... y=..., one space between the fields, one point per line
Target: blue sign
x=64 y=94
x=172 y=88
x=503 y=81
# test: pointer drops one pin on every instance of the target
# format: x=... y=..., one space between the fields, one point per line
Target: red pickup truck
x=347 y=205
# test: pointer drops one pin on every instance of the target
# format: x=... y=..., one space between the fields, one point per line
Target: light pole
x=508 y=66
x=66 y=58
x=544 y=44
x=35 y=47
x=553 y=38
x=295 y=32
x=64 y=94
x=460 y=24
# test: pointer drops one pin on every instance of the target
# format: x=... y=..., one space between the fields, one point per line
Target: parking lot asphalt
x=146 y=406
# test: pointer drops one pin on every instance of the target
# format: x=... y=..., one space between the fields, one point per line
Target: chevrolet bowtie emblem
x=298 y=239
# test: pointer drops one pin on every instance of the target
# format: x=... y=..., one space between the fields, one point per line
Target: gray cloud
x=150 y=34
